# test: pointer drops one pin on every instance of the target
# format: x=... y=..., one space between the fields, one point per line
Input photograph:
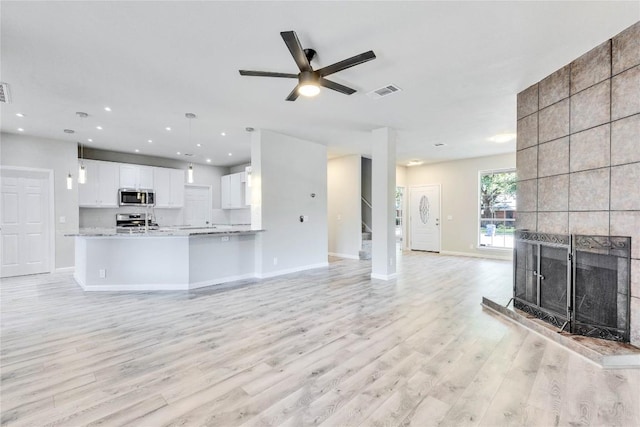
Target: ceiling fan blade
x=336 y=86
x=292 y=42
x=347 y=63
x=293 y=95
x=267 y=74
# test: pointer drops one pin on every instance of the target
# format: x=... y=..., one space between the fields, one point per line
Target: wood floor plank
x=326 y=347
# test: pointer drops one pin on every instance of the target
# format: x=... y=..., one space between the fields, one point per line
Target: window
x=497 y=208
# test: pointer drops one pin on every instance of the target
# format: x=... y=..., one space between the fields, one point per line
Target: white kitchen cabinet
x=168 y=187
x=136 y=176
x=101 y=188
x=232 y=191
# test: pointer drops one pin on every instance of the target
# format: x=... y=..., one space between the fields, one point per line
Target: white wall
x=285 y=172
x=460 y=198
x=61 y=157
x=343 y=206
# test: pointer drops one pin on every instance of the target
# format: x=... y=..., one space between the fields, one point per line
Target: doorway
x=424 y=217
x=197 y=205
x=26 y=223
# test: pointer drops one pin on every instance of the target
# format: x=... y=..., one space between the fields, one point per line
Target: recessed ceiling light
x=439 y=144
x=415 y=163
x=501 y=138
x=231 y=154
x=178 y=153
x=99 y=127
x=208 y=160
x=89 y=139
x=20 y=130
x=198 y=145
x=19 y=114
x=137 y=151
x=223 y=133
x=107 y=108
x=167 y=128
x=150 y=141
x=69 y=131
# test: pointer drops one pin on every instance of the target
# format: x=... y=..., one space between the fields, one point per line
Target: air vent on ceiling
x=4 y=93
x=383 y=91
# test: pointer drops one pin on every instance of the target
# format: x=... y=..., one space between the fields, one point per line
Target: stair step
x=364 y=255
x=366 y=235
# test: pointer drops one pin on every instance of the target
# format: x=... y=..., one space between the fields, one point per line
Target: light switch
x=449 y=217
x=63 y=220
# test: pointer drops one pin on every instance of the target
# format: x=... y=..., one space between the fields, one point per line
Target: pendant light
x=69 y=182
x=82 y=172
x=190 y=169
x=190 y=174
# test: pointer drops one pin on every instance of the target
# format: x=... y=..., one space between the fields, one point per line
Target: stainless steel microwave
x=141 y=197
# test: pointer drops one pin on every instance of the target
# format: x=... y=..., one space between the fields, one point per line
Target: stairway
x=365 y=251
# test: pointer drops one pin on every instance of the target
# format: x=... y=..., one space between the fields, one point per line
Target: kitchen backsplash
x=105 y=218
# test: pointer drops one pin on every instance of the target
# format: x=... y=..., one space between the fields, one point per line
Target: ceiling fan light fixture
x=308 y=89
x=309 y=85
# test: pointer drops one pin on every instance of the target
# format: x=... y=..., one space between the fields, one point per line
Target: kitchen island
x=164 y=259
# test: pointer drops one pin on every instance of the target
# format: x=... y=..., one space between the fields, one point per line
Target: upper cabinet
x=101 y=188
x=169 y=187
x=136 y=176
x=232 y=191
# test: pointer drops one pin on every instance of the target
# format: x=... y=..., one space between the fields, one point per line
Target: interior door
x=25 y=222
x=197 y=206
x=424 y=211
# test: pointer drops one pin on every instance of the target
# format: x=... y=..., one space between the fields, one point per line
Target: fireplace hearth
x=578 y=283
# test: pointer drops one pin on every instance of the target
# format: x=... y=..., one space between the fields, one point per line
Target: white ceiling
x=460 y=65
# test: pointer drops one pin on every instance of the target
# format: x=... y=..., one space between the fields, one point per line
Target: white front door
x=25 y=222
x=197 y=206
x=424 y=214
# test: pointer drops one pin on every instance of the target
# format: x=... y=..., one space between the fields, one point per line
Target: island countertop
x=165 y=232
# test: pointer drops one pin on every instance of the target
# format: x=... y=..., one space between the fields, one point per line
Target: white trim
x=221 y=280
x=384 y=276
x=71 y=269
x=474 y=255
x=347 y=256
x=291 y=270
x=52 y=208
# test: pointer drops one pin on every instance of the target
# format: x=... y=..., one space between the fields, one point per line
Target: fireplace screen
x=601 y=286
x=579 y=283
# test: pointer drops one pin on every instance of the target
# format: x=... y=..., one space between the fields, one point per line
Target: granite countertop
x=167 y=231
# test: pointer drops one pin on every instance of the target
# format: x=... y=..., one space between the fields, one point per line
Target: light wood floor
x=328 y=347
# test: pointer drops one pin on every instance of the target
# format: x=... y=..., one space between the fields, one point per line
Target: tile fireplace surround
x=578 y=158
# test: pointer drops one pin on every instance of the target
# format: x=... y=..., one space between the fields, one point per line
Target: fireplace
x=578 y=283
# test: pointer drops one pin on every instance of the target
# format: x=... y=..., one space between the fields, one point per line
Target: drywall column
x=383 y=255
x=289 y=201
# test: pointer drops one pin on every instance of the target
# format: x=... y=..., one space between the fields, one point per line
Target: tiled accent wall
x=578 y=158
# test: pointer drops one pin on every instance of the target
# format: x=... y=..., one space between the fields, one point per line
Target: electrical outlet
x=63 y=220
x=470 y=245
x=275 y=260
x=102 y=273
x=449 y=217
x=225 y=238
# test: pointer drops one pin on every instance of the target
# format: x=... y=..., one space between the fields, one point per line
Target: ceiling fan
x=310 y=80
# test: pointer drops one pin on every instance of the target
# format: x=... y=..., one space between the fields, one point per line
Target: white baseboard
x=476 y=255
x=347 y=256
x=222 y=280
x=291 y=270
x=64 y=270
x=384 y=276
